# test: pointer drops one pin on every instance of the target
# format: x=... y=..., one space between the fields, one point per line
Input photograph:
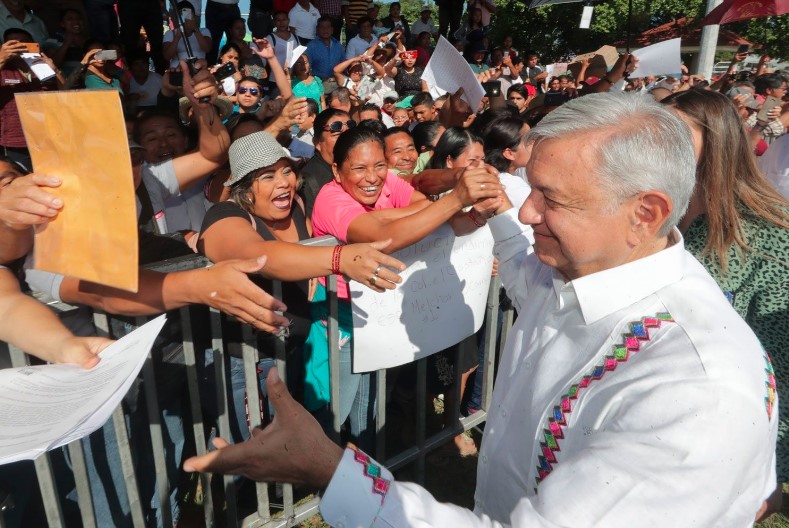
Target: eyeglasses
x=337 y=126
x=253 y=91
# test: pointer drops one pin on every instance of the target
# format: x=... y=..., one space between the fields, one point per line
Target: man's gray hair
x=642 y=146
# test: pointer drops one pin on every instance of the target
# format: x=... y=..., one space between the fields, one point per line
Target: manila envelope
x=80 y=137
x=601 y=60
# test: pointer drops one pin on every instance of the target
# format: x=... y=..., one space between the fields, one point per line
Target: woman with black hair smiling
x=366 y=201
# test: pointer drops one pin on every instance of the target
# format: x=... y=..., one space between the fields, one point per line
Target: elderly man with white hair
x=629 y=392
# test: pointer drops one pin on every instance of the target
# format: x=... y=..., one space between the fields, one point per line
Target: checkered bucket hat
x=253 y=152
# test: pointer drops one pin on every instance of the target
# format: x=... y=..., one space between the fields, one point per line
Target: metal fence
x=227 y=513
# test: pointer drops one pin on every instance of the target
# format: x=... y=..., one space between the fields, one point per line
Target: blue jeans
x=357 y=403
x=236 y=393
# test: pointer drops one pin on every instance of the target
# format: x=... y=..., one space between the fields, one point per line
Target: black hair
x=147 y=115
x=11 y=31
x=363 y=20
x=424 y=135
x=519 y=89
x=422 y=99
x=350 y=139
x=64 y=12
x=185 y=4
x=768 y=81
x=280 y=13
x=391 y=131
x=484 y=121
x=393 y=4
x=325 y=18
x=501 y=135
x=240 y=119
x=323 y=118
x=374 y=125
x=227 y=47
x=516 y=60
x=249 y=78
x=370 y=107
x=454 y=141
x=230 y=24
x=312 y=106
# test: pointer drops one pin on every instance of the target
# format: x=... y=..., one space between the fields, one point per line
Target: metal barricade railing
x=287 y=514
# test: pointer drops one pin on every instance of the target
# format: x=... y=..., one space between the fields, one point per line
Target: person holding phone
x=200 y=40
x=16 y=77
x=771 y=121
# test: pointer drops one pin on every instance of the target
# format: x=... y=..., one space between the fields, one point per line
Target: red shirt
x=12 y=81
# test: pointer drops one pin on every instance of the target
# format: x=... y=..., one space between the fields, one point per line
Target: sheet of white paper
x=658 y=59
x=440 y=302
x=586 y=17
x=295 y=54
x=48 y=406
x=447 y=71
x=40 y=69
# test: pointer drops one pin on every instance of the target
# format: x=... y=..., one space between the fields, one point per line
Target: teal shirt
x=314 y=90
x=94 y=82
x=479 y=69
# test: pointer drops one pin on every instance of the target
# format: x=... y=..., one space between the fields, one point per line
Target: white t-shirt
x=775 y=164
x=281 y=46
x=200 y=54
x=357 y=45
x=304 y=21
x=149 y=89
x=182 y=210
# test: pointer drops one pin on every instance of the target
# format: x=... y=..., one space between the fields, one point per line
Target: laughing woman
x=264 y=217
x=363 y=202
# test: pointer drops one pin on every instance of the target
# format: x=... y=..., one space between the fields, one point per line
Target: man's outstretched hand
x=293 y=448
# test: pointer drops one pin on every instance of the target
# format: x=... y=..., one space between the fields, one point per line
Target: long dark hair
x=727 y=175
x=350 y=139
x=501 y=135
x=452 y=144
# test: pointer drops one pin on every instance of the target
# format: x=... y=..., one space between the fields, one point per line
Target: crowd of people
x=241 y=149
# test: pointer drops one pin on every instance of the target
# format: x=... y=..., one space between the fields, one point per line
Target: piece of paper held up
x=292 y=54
x=40 y=69
x=440 y=302
x=94 y=237
x=447 y=71
x=659 y=59
x=48 y=406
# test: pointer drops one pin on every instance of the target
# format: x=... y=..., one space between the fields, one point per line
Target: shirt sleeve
x=161 y=176
x=512 y=247
x=364 y=493
x=401 y=191
x=334 y=211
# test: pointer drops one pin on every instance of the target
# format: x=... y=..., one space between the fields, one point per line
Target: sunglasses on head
x=252 y=91
x=337 y=126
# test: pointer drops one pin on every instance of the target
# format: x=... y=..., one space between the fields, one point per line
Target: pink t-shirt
x=335 y=209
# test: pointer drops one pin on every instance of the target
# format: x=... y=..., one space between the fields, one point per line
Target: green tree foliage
x=553 y=30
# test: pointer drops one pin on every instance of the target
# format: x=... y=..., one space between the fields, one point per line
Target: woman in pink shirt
x=363 y=202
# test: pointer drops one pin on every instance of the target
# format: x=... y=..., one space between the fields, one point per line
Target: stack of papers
x=48 y=406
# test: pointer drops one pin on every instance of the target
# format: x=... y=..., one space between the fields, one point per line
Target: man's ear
x=651 y=210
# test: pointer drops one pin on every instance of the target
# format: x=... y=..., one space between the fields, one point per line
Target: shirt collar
x=605 y=292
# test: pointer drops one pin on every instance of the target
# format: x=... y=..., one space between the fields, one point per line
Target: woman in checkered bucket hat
x=265 y=216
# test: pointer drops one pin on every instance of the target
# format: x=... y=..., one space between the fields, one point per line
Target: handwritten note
x=440 y=302
x=659 y=59
x=447 y=71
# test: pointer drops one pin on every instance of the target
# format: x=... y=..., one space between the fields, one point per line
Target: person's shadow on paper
x=433 y=310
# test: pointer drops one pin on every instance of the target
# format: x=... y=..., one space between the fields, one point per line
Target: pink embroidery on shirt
x=371 y=470
x=620 y=353
x=769 y=398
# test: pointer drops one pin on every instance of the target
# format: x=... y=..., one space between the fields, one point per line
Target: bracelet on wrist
x=479 y=222
x=335 y=259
